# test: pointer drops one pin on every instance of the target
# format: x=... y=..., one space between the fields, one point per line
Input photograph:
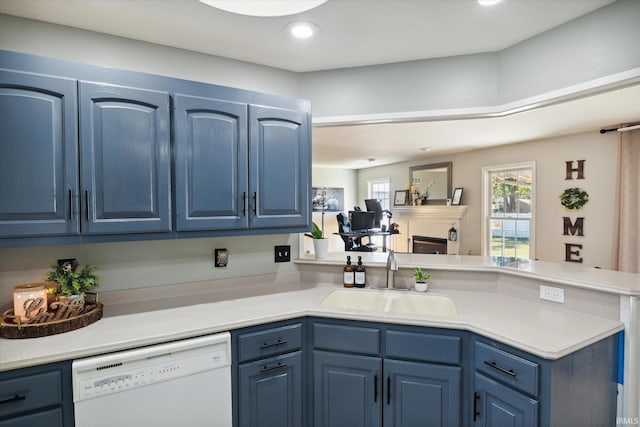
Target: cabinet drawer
x=30 y=392
x=353 y=339
x=269 y=342
x=423 y=347
x=506 y=367
x=50 y=418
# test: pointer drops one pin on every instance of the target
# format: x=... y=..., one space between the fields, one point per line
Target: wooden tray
x=11 y=328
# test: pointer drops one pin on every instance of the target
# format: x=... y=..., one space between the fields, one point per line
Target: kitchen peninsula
x=497 y=301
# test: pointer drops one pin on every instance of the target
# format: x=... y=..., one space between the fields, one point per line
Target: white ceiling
x=356 y=33
x=353 y=32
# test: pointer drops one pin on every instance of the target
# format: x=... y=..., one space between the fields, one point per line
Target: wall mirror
x=434 y=179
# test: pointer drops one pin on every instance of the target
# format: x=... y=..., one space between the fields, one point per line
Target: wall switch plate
x=552 y=294
x=283 y=253
x=221 y=257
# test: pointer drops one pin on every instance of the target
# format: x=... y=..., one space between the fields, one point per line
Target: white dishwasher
x=182 y=383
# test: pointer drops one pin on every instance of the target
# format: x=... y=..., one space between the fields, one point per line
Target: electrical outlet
x=282 y=253
x=220 y=257
x=552 y=294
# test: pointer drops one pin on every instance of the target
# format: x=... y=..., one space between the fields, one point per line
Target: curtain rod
x=626 y=128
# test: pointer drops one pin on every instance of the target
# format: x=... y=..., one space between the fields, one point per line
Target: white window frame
x=486 y=204
x=370 y=184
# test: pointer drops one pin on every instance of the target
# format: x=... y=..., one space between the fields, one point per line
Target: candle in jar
x=24 y=293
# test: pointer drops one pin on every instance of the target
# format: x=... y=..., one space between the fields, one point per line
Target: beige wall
x=340 y=178
x=129 y=265
x=600 y=153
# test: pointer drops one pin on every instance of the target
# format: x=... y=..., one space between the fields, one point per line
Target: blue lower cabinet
x=498 y=406
x=270 y=392
x=347 y=390
x=49 y=418
x=421 y=394
x=385 y=375
x=37 y=396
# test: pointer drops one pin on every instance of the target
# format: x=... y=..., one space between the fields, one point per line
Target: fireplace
x=429 y=245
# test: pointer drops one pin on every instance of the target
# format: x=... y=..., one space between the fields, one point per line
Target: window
x=509 y=210
x=379 y=189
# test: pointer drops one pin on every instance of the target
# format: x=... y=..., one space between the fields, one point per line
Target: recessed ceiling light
x=426 y=149
x=263 y=7
x=302 y=30
x=489 y=2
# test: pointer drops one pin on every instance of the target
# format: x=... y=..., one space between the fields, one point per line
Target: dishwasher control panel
x=134 y=369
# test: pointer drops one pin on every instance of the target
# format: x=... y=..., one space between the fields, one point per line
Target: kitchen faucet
x=392 y=267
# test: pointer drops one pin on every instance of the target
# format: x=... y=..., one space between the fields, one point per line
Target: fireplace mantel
x=431 y=221
x=433 y=212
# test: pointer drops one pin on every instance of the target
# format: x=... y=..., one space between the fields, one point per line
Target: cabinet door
x=420 y=394
x=125 y=159
x=210 y=164
x=347 y=390
x=498 y=406
x=38 y=155
x=279 y=167
x=270 y=392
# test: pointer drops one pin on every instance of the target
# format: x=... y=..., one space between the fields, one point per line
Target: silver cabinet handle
x=499 y=368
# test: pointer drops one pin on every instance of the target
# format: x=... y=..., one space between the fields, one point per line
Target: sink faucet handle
x=392 y=264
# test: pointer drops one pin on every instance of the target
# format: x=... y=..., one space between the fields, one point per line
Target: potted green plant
x=320 y=243
x=73 y=283
x=421 y=279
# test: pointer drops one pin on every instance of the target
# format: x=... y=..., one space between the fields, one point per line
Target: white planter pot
x=421 y=286
x=321 y=247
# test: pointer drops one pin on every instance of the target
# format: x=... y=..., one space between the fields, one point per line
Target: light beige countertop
x=545 y=330
x=563 y=273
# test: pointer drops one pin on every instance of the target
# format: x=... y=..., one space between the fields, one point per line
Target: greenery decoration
x=316 y=232
x=574 y=198
x=72 y=281
x=420 y=276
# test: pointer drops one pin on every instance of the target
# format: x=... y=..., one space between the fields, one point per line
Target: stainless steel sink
x=391 y=302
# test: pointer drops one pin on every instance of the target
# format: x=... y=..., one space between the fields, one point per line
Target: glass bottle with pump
x=360 y=275
x=349 y=276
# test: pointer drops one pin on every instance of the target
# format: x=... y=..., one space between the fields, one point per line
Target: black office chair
x=352 y=243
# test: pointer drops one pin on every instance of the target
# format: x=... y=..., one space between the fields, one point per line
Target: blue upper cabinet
x=38 y=155
x=94 y=154
x=279 y=167
x=210 y=164
x=125 y=159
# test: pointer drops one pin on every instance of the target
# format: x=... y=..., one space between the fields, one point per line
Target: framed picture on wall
x=327 y=199
x=401 y=198
x=457 y=196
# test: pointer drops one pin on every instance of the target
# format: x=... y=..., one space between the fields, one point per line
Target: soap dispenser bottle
x=348 y=273
x=360 y=275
